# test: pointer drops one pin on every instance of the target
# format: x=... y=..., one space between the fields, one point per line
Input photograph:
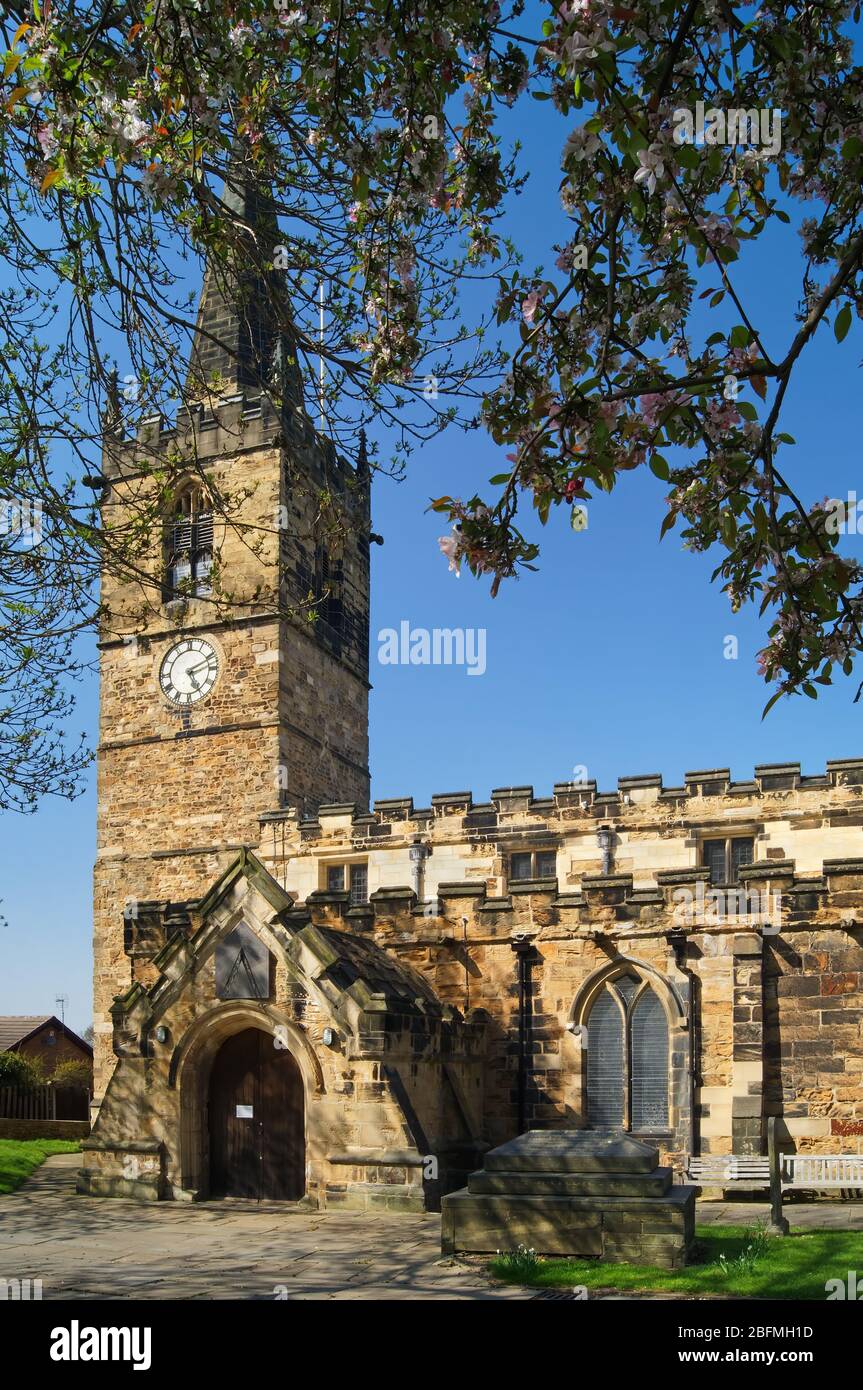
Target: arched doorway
x=256 y=1120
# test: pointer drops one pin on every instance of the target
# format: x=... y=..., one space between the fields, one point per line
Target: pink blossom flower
x=451 y=548
x=529 y=306
x=609 y=411
x=581 y=143
x=651 y=169
x=47 y=141
x=651 y=407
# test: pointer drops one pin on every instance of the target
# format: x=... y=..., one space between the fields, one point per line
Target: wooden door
x=256 y=1120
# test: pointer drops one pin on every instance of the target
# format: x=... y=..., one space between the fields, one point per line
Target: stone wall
x=762 y=998
x=769 y=999
x=44 y=1129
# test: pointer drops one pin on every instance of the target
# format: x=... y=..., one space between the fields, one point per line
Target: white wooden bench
x=729 y=1170
x=821 y=1171
x=797 y=1171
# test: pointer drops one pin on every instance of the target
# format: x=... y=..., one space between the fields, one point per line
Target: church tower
x=234 y=674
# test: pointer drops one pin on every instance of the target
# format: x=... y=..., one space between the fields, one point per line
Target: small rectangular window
x=725 y=858
x=713 y=858
x=359 y=884
x=742 y=853
x=546 y=864
x=520 y=865
x=542 y=864
x=336 y=878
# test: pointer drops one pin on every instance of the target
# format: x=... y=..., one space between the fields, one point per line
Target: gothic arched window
x=189 y=545
x=627 y=1058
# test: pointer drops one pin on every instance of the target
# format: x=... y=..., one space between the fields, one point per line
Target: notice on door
x=245 y=1112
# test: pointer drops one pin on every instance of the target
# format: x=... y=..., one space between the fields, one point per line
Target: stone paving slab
x=826 y=1215
x=86 y=1248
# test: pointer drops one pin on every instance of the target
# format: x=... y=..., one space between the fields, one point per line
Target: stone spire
x=243 y=334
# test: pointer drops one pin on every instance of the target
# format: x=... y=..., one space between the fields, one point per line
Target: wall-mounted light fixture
x=605 y=841
x=418 y=853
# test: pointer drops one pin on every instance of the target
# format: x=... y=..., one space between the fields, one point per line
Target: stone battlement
x=236 y=422
x=570 y=798
x=580 y=849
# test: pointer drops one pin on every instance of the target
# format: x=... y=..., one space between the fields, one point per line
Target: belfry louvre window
x=725 y=858
x=627 y=1058
x=328 y=588
x=189 y=546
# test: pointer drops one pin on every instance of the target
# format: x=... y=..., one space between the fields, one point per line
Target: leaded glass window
x=627 y=1058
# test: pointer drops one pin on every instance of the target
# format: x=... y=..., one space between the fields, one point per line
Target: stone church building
x=299 y=997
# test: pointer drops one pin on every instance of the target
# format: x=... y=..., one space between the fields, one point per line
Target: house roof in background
x=17 y=1028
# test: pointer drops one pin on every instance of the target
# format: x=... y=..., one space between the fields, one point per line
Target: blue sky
x=610 y=657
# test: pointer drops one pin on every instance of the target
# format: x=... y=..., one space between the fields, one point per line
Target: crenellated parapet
x=228 y=425
x=608 y=849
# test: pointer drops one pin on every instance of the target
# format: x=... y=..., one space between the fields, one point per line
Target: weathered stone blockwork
x=480 y=984
x=287 y=722
x=762 y=1020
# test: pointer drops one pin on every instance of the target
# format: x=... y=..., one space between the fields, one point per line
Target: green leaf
x=843 y=322
x=747 y=410
x=659 y=466
x=852 y=147
x=667 y=523
x=771 y=702
x=740 y=336
x=498 y=479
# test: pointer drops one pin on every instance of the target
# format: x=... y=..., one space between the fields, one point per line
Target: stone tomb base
x=573 y=1192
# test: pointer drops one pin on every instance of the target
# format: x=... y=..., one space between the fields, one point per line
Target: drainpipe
x=677 y=940
x=522 y=945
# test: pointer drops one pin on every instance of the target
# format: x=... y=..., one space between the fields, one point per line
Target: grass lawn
x=793 y=1266
x=19 y=1157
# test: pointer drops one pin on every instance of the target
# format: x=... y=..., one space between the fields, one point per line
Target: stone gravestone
x=573 y=1192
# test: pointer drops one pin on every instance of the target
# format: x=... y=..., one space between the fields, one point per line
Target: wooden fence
x=43 y=1103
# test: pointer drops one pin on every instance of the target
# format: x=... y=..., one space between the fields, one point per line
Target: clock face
x=189 y=671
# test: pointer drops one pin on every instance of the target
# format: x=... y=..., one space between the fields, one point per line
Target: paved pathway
x=820 y=1215
x=81 y=1247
